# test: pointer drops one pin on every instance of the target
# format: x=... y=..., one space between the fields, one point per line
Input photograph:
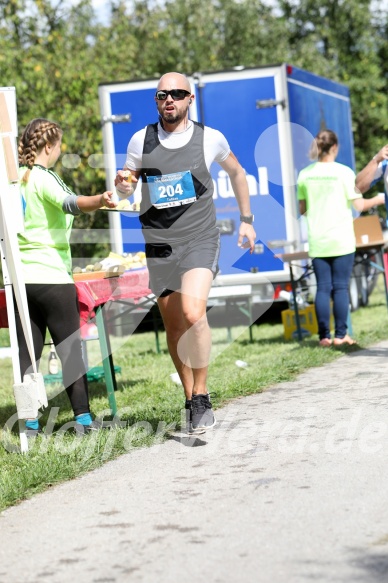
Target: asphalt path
x=290 y=487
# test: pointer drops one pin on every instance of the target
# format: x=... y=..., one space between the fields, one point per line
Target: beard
x=173 y=117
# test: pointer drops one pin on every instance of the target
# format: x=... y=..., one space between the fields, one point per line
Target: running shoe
x=189 y=419
x=202 y=416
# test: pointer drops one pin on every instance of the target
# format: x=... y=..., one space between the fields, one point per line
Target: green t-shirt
x=328 y=189
x=45 y=242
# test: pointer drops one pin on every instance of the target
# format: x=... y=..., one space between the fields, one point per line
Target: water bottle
x=289 y=297
x=53 y=367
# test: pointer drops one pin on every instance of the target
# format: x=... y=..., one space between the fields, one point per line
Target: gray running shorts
x=168 y=262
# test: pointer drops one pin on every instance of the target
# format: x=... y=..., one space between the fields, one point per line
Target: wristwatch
x=248 y=219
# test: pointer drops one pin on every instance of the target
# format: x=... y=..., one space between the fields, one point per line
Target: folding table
x=369 y=241
x=93 y=294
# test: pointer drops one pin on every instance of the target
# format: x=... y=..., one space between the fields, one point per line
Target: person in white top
x=374 y=171
x=177 y=213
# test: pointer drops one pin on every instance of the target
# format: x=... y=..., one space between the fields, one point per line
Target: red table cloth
x=132 y=284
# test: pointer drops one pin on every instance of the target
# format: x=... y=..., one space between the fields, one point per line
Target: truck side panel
x=315 y=104
x=141 y=106
x=228 y=104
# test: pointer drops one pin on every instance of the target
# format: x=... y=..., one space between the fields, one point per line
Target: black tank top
x=177 y=189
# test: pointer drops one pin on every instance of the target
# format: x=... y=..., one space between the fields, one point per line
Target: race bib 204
x=171 y=189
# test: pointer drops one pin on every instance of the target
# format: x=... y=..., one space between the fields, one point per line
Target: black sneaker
x=188 y=409
x=189 y=419
x=202 y=416
x=91 y=428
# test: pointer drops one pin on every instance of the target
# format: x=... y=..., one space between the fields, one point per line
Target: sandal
x=345 y=340
x=325 y=342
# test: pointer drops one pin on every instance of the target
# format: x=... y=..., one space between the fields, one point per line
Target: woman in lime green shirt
x=326 y=193
x=50 y=207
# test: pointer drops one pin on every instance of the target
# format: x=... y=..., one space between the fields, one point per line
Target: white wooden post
x=11 y=222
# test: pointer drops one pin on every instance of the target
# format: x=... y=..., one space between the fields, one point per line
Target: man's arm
x=124 y=184
x=240 y=188
x=367 y=174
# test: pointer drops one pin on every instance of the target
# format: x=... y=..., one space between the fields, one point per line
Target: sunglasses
x=176 y=94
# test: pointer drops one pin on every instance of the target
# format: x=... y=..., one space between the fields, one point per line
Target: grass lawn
x=149 y=404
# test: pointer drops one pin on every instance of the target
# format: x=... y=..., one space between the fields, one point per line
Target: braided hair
x=322 y=144
x=36 y=135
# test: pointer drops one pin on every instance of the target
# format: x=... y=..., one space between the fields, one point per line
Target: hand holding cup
x=124 y=183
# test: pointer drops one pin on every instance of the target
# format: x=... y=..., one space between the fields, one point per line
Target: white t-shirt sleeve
x=382 y=169
x=135 y=150
x=216 y=146
x=379 y=172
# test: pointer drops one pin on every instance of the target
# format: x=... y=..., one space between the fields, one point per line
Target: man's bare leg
x=195 y=346
x=171 y=311
x=189 y=344
x=187 y=329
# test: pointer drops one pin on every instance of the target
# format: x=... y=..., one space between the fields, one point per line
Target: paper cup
x=175 y=378
x=241 y=363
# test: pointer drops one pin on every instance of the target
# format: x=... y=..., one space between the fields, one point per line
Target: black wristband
x=248 y=219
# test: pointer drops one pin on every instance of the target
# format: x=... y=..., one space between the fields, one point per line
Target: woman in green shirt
x=50 y=207
x=326 y=193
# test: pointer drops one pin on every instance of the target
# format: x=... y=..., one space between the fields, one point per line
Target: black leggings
x=55 y=306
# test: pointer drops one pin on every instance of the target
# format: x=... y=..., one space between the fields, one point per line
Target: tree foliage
x=57 y=53
x=346 y=41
